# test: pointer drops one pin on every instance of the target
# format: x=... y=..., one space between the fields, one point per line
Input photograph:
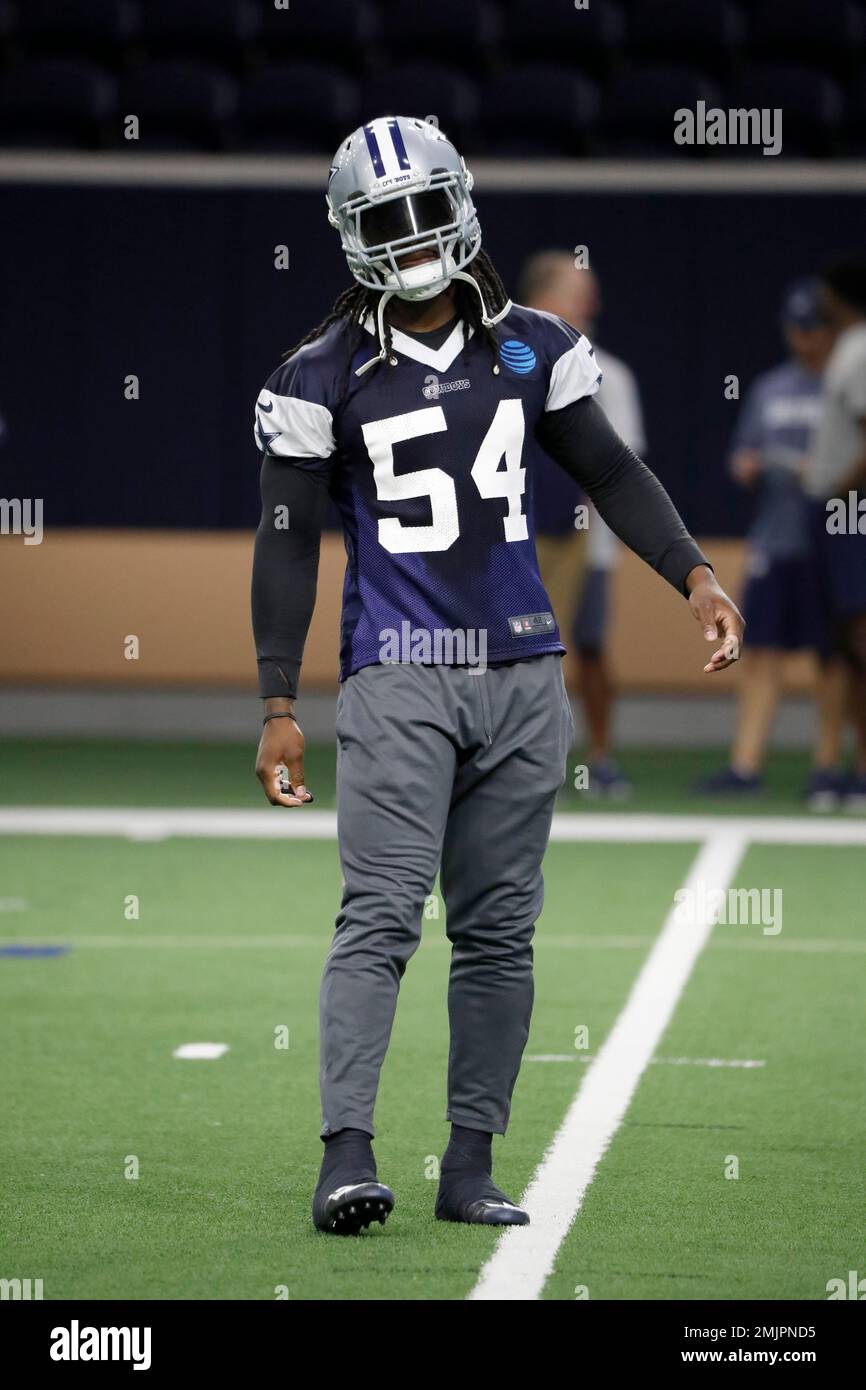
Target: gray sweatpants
x=440 y=766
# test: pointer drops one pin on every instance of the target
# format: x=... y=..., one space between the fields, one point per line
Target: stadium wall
x=68 y=606
x=162 y=268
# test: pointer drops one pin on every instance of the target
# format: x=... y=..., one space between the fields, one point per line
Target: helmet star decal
x=264 y=436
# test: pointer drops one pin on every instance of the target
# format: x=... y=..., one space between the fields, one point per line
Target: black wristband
x=281 y=714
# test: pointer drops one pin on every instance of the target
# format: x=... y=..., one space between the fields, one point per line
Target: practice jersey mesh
x=425 y=460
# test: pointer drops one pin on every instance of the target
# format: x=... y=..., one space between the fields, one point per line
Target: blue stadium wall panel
x=179 y=288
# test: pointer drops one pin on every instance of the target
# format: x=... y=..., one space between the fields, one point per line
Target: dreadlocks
x=356 y=302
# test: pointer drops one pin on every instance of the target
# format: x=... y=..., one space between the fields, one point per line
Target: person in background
x=577 y=564
x=782 y=603
x=836 y=479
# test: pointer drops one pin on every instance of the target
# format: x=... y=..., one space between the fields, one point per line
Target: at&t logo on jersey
x=517 y=356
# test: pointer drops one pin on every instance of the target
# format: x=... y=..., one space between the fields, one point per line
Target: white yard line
x=524 y=1256
x=136 y=823
x=200 y=1051
x=586 y=1058
x=156 y=823
x=766 y=830
x=746 y=1063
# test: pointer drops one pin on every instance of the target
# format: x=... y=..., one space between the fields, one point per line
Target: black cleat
x=348 y=1208
x=476 y=1200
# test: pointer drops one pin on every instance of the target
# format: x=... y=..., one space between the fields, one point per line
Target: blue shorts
x=842 y=564
x=590 y=625
x=783 y=605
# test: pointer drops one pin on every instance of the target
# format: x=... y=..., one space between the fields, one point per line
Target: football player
x=409 y=405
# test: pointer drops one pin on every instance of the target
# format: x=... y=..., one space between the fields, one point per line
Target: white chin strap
x=380 y=334
x=486 y=319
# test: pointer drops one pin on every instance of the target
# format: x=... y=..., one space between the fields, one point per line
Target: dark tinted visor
x=410 y=216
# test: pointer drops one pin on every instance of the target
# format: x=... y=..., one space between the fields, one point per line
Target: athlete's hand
x=282 y=747
x=715 y=611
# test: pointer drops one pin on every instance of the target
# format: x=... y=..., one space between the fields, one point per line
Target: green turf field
x=228 y=947
x=108 y=772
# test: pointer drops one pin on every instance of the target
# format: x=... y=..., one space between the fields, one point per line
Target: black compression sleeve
x=285 y=569
x=628 y=496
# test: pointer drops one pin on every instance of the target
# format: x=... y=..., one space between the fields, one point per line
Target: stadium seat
x=451 y=32
x=213 y=31
x=855 y=121
x=59 y=105
x=585 y=39
x=97 y=29
x=510 y=77
x=538 y=110
x=638 y=110
x=422 y=89
x=811 y=106
x=7 y=27
x=821 y=33
x=276 y=103
x=325 y=31
x=179 y=105
x=679 y=31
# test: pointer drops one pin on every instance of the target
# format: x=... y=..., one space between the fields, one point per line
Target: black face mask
x=413 y=215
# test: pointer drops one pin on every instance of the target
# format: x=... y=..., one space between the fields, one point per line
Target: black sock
x=469 y=1151
x=349 y=1151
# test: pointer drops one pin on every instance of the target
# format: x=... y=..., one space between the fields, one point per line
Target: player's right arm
x=294 y=431
x=285 y=570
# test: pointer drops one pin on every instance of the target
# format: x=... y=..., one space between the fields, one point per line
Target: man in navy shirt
x=410 y=406
x=782 y=602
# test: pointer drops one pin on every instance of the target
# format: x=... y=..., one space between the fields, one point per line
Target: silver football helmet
x=398 y=194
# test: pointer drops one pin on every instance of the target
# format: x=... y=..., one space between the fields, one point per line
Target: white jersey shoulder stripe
x=293 y=428
x=575 y=374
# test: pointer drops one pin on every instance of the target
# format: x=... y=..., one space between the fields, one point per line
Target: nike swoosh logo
x=266 y=408
x=350 y=1187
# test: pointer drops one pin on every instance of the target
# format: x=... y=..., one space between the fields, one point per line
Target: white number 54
x=504 y=439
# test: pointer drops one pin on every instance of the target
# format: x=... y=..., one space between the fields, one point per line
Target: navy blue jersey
x=778 y=417
x=425 y=460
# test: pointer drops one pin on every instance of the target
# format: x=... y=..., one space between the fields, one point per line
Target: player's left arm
x=637 y=508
